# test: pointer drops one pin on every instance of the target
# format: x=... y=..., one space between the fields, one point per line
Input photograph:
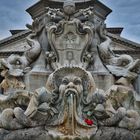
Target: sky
x=126 y=13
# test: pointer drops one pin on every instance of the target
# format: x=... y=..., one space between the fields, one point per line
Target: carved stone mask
x=69 y=7
x=73 y=79
x=71 y=84
x=69 y=10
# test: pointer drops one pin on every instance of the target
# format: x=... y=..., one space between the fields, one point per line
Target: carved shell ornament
x=70 y=86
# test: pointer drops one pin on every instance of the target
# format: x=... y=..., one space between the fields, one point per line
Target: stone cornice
x=13 y=32
x=15 y=37
x=38 y=9
x=115 y=30
x=124 y=41
x=6 y=54
x=126 y=51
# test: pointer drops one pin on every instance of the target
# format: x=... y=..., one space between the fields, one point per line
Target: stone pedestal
x=39 y=133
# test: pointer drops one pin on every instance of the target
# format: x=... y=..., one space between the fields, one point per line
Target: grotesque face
x=71 y=84
x=69 y=9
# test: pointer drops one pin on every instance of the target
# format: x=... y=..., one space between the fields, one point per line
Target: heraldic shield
x=69 y=41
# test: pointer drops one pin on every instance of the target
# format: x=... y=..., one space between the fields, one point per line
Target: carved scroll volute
x=68 y=42
x=89 y=31
x=50 y=31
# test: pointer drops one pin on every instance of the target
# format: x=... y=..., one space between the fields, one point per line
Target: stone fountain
x=51 y=91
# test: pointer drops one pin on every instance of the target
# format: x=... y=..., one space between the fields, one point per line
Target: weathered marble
x=106 y=133
x=69 y=85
